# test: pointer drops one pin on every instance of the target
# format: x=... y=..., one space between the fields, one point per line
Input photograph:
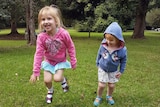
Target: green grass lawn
x=138 y=87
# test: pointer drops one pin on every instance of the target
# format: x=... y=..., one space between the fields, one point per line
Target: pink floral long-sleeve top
x=54 y=49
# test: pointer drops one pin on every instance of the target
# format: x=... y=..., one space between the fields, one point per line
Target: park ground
x=138 y=87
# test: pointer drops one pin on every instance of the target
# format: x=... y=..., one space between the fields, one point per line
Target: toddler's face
x=112 y=40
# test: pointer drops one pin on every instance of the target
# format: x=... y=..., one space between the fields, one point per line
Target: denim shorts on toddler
x=51 y=68
x=107 y=76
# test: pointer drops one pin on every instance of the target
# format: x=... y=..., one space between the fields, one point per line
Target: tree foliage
x=153 y=17
x=4 y=15
x=86 y=15
x=13 y=9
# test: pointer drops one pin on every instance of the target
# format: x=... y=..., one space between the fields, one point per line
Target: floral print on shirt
x=53 y=46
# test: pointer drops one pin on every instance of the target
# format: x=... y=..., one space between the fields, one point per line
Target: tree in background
x=30 y=33
x=153 y=13
x=88 y=15
x=153 y=17
x=13 y=11
x=4 y=15
x=95 y=15
x=141 y=10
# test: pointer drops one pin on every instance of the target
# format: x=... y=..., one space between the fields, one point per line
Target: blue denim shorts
x=48 y=67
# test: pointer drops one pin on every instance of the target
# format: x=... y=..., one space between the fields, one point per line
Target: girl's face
x=112 y=40
x=48 y=23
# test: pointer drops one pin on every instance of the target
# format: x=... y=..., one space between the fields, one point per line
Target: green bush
x=101 y=24
x=82 y=26
x=96 y=25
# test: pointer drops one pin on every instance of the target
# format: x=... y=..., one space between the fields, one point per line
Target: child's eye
x=43 y=19
x=110 y=40
x=49 y=18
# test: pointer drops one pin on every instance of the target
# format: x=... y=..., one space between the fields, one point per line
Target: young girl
x=52 y=47
x=111 y=61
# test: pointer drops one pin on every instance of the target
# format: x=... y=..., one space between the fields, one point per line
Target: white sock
x=64 y=80
x=64 y=84
x=50 y=90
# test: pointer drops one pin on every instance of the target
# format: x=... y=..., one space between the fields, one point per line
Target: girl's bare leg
x=110 y=89
x=109 y=98
x=58 y=76
x=100 y=89
x=48 y=79
x=48 y=82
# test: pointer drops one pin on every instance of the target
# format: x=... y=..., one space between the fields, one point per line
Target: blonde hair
x=48 y=10
x=59 y=14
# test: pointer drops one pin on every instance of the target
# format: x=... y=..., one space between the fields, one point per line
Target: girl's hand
x=118 y=75
x=33 y=78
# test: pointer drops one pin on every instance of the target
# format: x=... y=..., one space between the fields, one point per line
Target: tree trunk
x=30 y=24
x=140 y=19
x=13 y=23
x=13 y=27
x=27 y=31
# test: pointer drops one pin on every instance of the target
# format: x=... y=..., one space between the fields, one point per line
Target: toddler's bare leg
x=110 y=89
x=100 y=89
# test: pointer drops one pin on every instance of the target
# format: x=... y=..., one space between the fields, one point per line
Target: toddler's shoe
x=49 y=98
x=65 y=86
x=97 y=101
x=110 y=100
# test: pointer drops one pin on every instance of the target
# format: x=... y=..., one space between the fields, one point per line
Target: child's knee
x=102 y=85
x=57 y=78
x=111 y=85
x=47 y=80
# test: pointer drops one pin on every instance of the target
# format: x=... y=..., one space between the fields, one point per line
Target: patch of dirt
x=12 y=37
